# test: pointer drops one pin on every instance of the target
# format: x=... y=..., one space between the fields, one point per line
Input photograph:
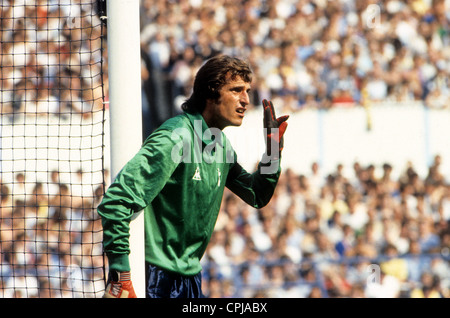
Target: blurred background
x=362 y=207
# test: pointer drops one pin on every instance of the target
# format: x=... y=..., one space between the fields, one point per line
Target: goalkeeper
x=178 y=178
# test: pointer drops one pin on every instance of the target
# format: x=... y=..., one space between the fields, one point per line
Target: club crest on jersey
x=197 y=175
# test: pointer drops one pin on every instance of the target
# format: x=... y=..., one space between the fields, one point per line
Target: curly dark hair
x=211 y=77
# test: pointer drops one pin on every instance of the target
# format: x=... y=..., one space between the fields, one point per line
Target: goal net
x=52 y=172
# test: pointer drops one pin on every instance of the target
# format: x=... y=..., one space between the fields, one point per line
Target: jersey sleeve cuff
x=119 y=262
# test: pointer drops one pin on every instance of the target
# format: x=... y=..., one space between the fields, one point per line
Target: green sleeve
x=255 y=189
x=135 y=186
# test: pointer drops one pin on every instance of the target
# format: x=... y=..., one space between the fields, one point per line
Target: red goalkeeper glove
x=275 y=128
x=119 y=285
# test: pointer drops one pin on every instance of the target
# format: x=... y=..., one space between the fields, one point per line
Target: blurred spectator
x=429 y=287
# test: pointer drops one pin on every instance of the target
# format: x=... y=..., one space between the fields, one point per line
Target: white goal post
x=124 y=72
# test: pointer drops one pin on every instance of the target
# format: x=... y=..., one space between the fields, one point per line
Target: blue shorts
x=164 y=284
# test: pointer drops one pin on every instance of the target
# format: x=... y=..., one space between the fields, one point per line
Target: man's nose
x=245 y=98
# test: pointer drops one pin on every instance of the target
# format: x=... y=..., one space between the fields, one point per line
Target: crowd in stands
x=48 y=62
x=321 y=235
x=328 y=235
x=50 y=237
x=50 y=233
x=309 y=53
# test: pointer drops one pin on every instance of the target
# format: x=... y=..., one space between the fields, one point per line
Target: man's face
x=230 y=107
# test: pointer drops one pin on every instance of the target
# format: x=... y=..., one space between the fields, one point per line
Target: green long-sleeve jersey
x=177 y=178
